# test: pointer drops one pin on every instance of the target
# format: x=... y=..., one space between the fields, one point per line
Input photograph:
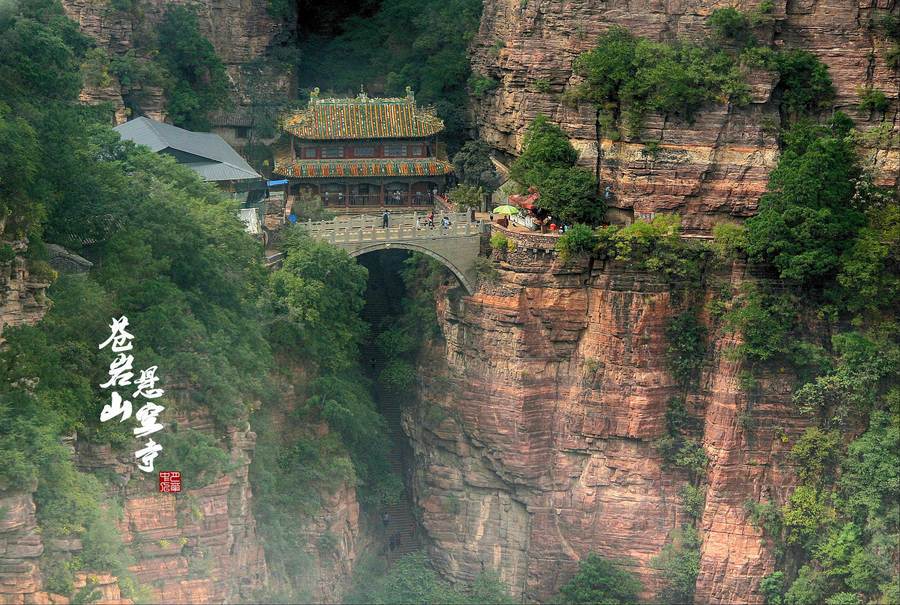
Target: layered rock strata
x=534 y=435
x=241 y=32
x=23 y=299
x=711 y=170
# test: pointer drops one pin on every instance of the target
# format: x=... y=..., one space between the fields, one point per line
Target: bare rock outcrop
x=535 y=433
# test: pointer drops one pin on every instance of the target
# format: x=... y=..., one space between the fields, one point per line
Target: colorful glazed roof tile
x=363 y=118
x=317 y=169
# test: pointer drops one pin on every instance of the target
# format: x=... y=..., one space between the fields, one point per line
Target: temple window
x=333 y=151
x=393 y=150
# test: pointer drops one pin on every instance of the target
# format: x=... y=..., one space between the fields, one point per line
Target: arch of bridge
x=415 y=247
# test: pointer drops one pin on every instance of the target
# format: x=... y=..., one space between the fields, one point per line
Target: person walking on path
x=385 y=219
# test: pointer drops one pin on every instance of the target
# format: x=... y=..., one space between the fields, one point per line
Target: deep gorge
x=720 y=432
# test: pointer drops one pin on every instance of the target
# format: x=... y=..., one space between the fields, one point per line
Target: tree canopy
x=547 y=163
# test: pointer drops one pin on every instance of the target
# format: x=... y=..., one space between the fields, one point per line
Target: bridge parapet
x=401 y=227
x=456 y=246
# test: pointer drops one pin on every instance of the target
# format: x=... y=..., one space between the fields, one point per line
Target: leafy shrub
x=542 y=85
x=599 y=580
x=729 y=241
x=466 y=196
x=499 y=241
x=40 y=270
x=579 y=239
x=730 y=24
x=805 y=513
x=200 y=458
x=398 y=377
x=767 y=516
x=7 y=254
x=630 y=76
x=693 y=498
x=472 y=165
x=655 y=247
x=679 y=561
x=772 y=588
x=198 y=83
x=686 y=347
x=872 y=99
x=547 y=163
x=409 y=580
x=815 y=453
x=804 y=81
x=805 y=220
x=480 y=85
x=768 y=323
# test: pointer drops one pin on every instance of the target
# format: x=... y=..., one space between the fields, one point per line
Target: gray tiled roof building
x=205 y=153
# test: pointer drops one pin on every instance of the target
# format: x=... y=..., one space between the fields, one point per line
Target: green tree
x=547 y=163
x=473 y=166
x=805 y=84
x=579 y=239
x=308 y=309
x=731 y=25
x=805 y=220
x=393 y=44
x=601 y=581
x=197 y=84
x=679 y=560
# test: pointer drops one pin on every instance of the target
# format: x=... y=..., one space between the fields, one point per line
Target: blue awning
x=273 y=183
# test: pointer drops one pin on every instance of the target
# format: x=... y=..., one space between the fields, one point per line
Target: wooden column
x=346 y=196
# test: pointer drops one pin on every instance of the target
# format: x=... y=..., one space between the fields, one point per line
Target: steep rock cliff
x=710 y=170
x=534 y=435
x=240 y=32
x=23 y=298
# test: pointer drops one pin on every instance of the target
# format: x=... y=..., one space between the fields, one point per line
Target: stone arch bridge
x=456 y=246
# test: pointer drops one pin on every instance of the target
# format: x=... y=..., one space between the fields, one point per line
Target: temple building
x=359 y=152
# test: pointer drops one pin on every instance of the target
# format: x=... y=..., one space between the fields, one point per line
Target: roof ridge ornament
x=362 y=94
x=314 y=96
x=409 y=94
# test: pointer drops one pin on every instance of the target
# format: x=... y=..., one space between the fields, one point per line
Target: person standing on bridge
x=385 y=219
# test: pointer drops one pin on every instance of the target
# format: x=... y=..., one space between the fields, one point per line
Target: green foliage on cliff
x=547 y=163
x=655 y=246
x=472 y=165
x=679 y=562
x=197 y=82
x=632 y=76
x=397 y=43
x=412 y=580
x=686 y=348
x=599 y=580
x=579 y=239
x=807 y=220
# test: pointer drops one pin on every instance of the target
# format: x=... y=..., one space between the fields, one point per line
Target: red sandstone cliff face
x=713 y=169
x=200 y=546
x=534 y=434
x=197 y=547
x=240 y=31
x=23 y=298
